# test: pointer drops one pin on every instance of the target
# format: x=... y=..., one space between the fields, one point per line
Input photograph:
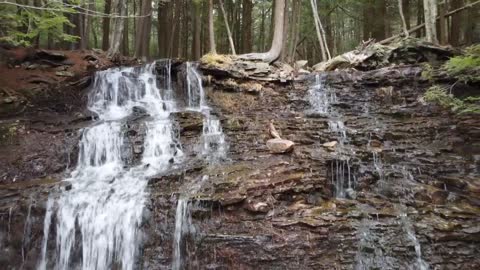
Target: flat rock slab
x=280 y=146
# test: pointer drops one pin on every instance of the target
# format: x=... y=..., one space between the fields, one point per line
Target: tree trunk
x=404 y=23
x=247 y=26
x=442 y=24
x=277 y=42
x=118 y=7
x=125 y=47
x=229 y=33
x=455 y=28
x=197 y=28
x=407 y=12
x=430 y=9
x=106 y=25
x=144 y=25
x=211 y=29
x=380 y=23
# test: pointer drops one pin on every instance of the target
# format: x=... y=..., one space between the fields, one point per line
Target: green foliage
x=24 y=25
x=427 y=72
x=440 y=96
x=465 y=68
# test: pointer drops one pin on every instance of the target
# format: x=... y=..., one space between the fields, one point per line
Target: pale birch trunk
x=277 y=42
x=430 y=9
x=118 y=8
x=404 y=22
x=211 y=29
x=229 y=33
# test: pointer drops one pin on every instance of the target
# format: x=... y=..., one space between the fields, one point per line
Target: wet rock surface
x=416 y=182
x=415 y=170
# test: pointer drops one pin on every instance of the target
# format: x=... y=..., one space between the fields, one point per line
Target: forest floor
x=26 y=68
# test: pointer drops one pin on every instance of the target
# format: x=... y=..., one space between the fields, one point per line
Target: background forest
x=179 y=28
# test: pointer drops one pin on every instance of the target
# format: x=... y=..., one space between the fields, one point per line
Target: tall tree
x=277 y=43
x=404 y=22
x=106 y=25
x=229 y=33
x=143 y=28
x=456 y=23
x=211 y=29
x=119 y=8
x=197 y=28
x=430 y=9
x=247 y=8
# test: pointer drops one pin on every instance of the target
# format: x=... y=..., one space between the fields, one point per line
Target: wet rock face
x=414 y=168
x=414 y=200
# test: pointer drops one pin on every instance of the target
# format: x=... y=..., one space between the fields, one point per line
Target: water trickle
x=195 y=92
x=183 y=226
x=106 y=201
x=342 y=178
x=9 y=222
x=321 y=97
x=369 y=255
x=46 y=229
x=407 y=226
x=27 y=230
x=183 y=222
x=213 y=144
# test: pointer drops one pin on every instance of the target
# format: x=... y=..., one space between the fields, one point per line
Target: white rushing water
x=213 y=145
x=106 y=200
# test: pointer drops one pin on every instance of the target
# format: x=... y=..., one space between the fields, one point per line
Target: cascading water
x=106 y=200
x=213 y=145
x=321 y=98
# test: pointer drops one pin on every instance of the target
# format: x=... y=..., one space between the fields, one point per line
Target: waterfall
x=106 y=200
x=321 y=99
x=213 y=144
x=183 y=225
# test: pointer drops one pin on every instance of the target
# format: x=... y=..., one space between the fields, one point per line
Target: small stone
x=32 y=66
x=330 y=144
x=301 y=64
x=260 y=207
x=64 y=74
x=8 y=100
x=280 y=146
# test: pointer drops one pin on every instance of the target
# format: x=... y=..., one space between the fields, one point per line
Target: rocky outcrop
x=413 y=168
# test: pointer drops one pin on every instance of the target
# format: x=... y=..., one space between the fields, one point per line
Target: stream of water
x=104 y=206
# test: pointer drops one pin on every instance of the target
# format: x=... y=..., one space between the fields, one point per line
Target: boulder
x=280 y=146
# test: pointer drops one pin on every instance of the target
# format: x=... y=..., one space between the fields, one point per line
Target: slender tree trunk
x=442 y=24
x=420 y=18
x=144 y=24
x=118 y=7
x=262 y=28
x=247 y=26
x=404 y=23
x=277 y=42
x=106 y=25
x=211 y=29
x=455 y=28
x=197 y=24
x=164 y=28
x=430 y=9
x=125 y=47
x=229 y=33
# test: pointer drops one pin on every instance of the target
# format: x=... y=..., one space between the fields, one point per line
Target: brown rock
x=280 y=146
